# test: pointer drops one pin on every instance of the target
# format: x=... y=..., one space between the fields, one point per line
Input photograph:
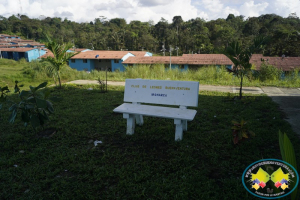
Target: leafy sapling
x=3 y=91
x=240 y=131
x=34 y=106
x=17 y=87
x=101 y=85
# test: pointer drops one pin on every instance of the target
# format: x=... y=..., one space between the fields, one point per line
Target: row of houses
x=118 y=60
x=89 y=60
x=7 y=41
x=13 y=47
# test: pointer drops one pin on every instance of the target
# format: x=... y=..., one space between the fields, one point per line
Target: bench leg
x=139 y=120
x=184 y=124
x=179 y=129
x=130 y=123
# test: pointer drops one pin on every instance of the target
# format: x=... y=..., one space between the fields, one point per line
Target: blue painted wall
x=34 y=54
x=18 y=55
x=90 y=65
x=8 y=55
x=80 y=66
x=29 y=55
x=117 y=66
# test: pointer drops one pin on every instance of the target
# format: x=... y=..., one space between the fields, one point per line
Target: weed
x=240 y=131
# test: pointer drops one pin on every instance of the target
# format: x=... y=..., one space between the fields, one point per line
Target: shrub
x=269 y=72
x=34 y=106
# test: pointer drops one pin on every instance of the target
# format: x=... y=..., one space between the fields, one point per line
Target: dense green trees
x=195 y=35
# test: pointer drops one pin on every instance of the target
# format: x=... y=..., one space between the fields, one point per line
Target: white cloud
x=213 y=6
x=214 y=9
x=113 y=5
x=252 y=9
x=154 y=2
x=284 y=8
x=145 y=10
x=64 y=14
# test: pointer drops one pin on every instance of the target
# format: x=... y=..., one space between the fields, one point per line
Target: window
x=116 y=61
x=72 y=60
x=100 y=60
x=107 y=60
x=84 y=60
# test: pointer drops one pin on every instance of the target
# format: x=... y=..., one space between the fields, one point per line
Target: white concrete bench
x=178 y=93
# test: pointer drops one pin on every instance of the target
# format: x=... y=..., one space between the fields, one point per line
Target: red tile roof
x=32 y=43
x=48 y=53
x=16 y=49
x=207 y=59
x=106 y=54
x=285 y=64
x=138 y=53
x=149 y=60
x=23 y=41
x=10 y=46
x=190 y=59
x=78 y=49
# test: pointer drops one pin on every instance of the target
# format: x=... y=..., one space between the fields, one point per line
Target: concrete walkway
x=287 y=98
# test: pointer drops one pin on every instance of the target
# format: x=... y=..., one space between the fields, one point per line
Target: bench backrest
x=180 y=93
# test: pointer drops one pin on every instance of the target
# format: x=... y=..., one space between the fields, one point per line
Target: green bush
x=269 y=72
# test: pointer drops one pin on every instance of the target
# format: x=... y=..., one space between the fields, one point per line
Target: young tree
x=60 y=56
x=241 y=58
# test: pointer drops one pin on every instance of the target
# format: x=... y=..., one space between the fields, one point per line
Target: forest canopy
x=192 y=36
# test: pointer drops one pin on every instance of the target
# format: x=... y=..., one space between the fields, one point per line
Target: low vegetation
x=206 y=164
x=36 y=72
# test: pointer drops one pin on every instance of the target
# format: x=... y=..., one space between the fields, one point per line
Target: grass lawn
x=147 y=165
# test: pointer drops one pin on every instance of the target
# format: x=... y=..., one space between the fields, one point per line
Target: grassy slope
x=148 y=164
x=34 y=73
x=10 y=71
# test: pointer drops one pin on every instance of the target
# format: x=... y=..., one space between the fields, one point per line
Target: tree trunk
x=59 y=79
x=241 y=87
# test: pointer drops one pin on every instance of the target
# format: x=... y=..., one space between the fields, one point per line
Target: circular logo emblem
x=270 y=178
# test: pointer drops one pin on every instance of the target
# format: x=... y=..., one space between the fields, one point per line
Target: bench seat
x=156 y=111
x=160 y=94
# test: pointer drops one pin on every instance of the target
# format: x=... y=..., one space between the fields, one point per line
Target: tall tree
x=241 y=58
x=60 y=56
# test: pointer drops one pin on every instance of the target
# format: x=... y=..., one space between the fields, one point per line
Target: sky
x=146 y=10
